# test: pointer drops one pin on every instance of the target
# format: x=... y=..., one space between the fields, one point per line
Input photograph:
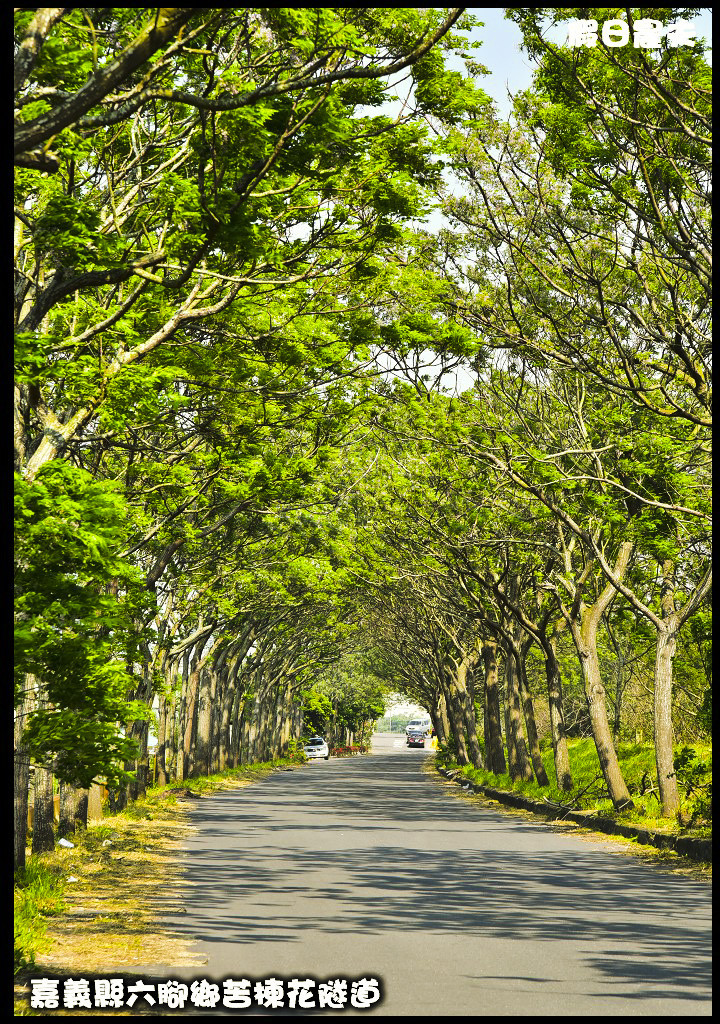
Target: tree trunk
x=43 y=839
x=583 y=624
x=435 y=719
x=237 y=720
x=456 y=721
x=287 y=726
x=245 y=730
x=177 y=732
x=667 y=782
x=278 y=722
x=442 y=724
x=22 y=773
x=253 y=731
x=161 y=753
x=180 y=768
x=530 y=725
x=268 y=721
x=557 y=719
x=486 y=729
x=494 y=752
x=467 y=705
x=21 y=780
x=228 y=703
x=185 y=747
x=69 y=801
x=665 y=647
x=262 y=712
x=217 y=696
x=520 y=763
x=585 y=636
x=81 y=810
x=297 y=721
x=505 y=705
x=272 y=700
x=139 y=730
x=204 y=715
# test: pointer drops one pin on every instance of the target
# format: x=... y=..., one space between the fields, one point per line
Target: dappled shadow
x=375 y=845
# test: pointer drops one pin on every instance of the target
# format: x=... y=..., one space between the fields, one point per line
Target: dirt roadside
x=122 y=875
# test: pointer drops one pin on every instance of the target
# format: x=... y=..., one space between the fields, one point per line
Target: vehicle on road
x=316 y=747
x=416 y=738
x=424 y=725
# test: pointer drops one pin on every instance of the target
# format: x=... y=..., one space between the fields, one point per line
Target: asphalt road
x=366 y=867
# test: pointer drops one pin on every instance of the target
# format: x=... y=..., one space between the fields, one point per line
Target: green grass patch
x=637 y=762
x=202 y=785
x=39 y=891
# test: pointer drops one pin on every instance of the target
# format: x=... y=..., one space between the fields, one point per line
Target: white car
x=423 y=725
x=316 y=747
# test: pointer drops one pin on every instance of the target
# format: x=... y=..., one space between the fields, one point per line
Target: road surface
x=367 y=867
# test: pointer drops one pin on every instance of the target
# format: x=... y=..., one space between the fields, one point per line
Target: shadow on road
x=371 y=844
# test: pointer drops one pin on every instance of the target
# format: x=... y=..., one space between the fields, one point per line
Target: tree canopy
x=249 y=498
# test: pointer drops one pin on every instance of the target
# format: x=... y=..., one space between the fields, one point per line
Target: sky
x=502 y=54
x=398 y=704
x=509 y=67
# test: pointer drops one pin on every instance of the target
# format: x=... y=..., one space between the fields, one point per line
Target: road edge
x=694 y=849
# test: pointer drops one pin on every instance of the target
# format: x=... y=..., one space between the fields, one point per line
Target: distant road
x=365 y=866
x=384 y=742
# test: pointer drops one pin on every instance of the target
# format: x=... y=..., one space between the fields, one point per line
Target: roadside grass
x=228 y=778
x=96 y=906
x=39 y=894
x=637 y=761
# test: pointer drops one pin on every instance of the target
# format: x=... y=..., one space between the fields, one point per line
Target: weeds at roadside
x=39 y=894
x=637 y=762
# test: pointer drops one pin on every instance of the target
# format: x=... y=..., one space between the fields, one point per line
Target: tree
x=212 y=247
x=456 y=529
x=332 y=53
x=76 y=603
x=588 y=218
x=211 y=230
x=204 y=200
x=356 y=695
x=569 y=449
x=586 y=222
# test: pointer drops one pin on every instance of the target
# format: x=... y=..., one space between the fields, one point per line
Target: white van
x=419 y=723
